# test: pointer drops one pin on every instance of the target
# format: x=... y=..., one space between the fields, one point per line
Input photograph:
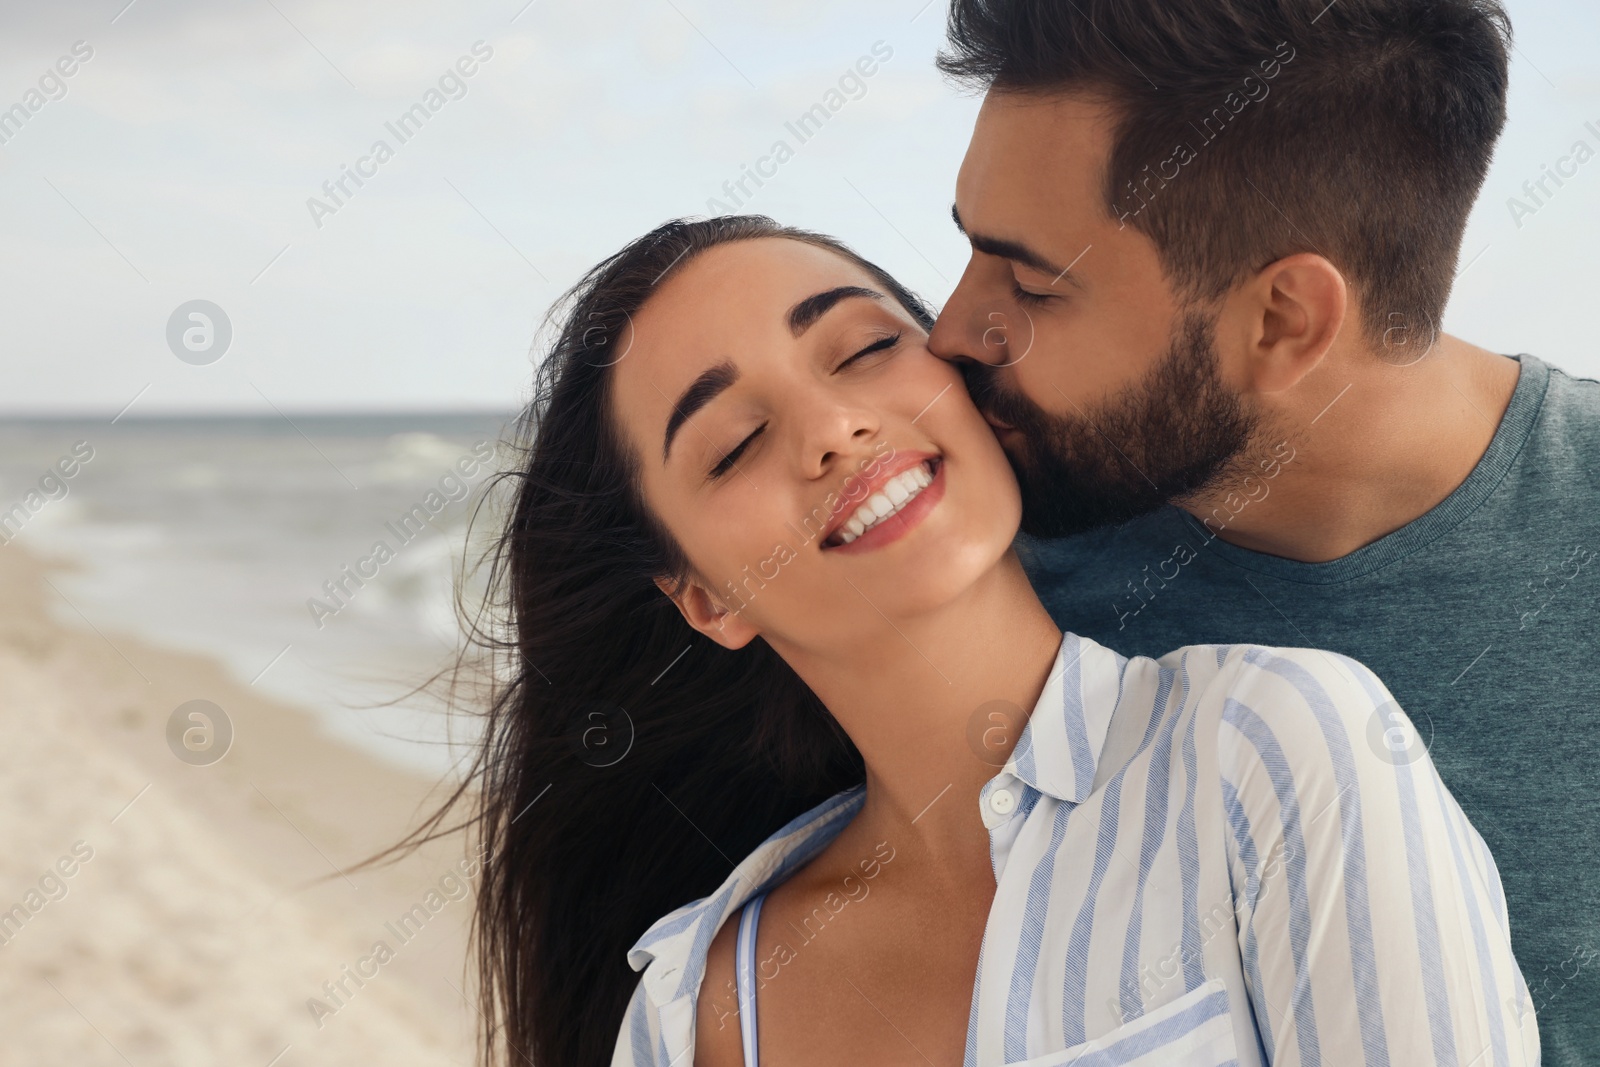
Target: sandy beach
x=157 y=912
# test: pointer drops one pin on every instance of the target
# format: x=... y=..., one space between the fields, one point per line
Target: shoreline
x=213 y=908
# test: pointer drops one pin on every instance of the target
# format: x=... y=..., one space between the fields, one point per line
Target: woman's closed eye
x=725 y=464
x=880 y=345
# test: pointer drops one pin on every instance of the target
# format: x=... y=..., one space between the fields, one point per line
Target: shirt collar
x=1057 y=754
x=1059 y=750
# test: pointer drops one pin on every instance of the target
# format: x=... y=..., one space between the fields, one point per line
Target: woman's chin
x=931 y=575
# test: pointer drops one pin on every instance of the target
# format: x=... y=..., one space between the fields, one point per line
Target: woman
x=771 y=647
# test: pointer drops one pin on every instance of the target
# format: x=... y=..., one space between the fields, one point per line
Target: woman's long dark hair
x=627 y=762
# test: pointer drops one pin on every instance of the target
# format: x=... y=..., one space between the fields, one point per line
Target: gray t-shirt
x=1483 y=619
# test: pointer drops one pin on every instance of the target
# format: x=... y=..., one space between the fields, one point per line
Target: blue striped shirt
x=1232 y=854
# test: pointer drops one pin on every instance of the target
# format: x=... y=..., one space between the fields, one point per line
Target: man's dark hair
x=1248 y=130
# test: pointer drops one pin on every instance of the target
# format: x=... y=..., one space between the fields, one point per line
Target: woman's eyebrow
x=712 y=382
x=701 y=392
x=812 y=308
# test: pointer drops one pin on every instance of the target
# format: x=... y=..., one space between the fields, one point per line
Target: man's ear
x=702 y=610
x=1288 y=316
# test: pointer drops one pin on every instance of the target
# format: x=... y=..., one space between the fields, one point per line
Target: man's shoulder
x=1567 y=379
x=1557 y=461
x=1571 y=409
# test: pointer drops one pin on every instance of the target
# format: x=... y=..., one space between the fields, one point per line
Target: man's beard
x=1174 y=434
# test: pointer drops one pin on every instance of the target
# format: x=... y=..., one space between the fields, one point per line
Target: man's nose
x=944 y=339
x=963 y=334
x=966 y=330
x=953 y=338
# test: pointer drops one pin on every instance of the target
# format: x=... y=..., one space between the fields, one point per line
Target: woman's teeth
x=900 y=491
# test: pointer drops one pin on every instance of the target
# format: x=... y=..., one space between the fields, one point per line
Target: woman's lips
x=895 y=526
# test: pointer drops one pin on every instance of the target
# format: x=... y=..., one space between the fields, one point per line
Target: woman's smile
x=898 y=498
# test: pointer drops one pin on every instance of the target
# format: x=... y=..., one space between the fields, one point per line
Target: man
x=1212 y=245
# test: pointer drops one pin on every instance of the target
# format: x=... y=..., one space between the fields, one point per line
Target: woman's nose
x=835 y=434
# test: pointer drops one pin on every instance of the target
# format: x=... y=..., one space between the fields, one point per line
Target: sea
x=255 y=540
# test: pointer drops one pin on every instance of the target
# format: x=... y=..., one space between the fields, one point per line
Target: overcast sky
x=177 y=161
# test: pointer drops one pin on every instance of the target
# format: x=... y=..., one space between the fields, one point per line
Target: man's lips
x=996 y=423
x=1006 y=434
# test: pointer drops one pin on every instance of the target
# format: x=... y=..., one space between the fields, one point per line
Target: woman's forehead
x=731 y=304
x=762 y=276
x=727 y=301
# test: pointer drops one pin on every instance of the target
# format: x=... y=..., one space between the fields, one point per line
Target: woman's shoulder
x=679 y=950
x=1281 y=680
x=1306 y=701
x=1299 y=711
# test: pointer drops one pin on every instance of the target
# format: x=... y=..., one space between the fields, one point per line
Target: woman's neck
x=917 y=701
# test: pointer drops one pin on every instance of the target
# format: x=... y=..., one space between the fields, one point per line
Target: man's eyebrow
x=701 y=392
x=812 y=308
x=1015 y=251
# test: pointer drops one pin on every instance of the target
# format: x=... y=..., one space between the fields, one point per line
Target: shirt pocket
x=1196 y=1030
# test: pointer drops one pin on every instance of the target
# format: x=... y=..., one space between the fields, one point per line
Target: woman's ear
x=702 y=610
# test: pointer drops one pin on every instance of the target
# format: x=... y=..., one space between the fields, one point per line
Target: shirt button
x=1001 y=801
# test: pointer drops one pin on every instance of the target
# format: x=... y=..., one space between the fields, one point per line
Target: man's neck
x=1368 y=447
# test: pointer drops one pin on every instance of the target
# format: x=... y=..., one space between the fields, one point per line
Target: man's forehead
x=1032 y=152
x=1042 y=127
